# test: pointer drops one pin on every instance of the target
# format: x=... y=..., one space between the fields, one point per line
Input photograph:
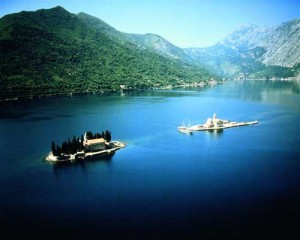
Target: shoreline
x=208 y=83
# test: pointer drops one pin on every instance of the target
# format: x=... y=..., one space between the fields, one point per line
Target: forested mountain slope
x=50 y=52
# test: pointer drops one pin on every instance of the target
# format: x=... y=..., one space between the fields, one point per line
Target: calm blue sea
x=241 y=182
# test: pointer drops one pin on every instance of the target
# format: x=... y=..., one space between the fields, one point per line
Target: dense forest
x=54 y=52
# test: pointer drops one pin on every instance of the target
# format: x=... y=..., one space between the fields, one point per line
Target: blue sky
x=185 y=23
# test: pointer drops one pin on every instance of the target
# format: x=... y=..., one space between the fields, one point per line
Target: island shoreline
x=81 y=155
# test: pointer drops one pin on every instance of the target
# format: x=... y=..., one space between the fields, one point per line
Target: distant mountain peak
x=57 y=9
x=247 y=26
x=247 y=34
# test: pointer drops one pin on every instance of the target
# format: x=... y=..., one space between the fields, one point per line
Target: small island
x=213 y=124
x=87 y=146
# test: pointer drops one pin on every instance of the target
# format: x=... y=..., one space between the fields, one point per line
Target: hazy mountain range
x=258 y=51
x=56 y=52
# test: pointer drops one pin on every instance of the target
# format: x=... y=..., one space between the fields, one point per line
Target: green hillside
x=53 y=52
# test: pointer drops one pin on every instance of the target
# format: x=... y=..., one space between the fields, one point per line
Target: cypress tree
x=77 y=144
x=107 y=136
x=69 y=146
x=81 y=143
x=53 y=148
x=89 y=135
x=64 y=147
x=74 y=145
x=58 y=150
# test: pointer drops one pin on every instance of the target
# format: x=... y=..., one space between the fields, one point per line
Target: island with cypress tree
x=88 y=145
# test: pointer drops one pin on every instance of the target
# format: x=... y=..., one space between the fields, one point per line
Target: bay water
x=240 y=182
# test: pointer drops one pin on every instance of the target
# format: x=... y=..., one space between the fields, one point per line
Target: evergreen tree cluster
x=68 y=146
x=106 y=135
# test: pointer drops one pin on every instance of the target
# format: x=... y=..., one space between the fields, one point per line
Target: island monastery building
x=214 y=122
x=93 y=145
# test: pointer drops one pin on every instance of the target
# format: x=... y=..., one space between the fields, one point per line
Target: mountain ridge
x=145 y=41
